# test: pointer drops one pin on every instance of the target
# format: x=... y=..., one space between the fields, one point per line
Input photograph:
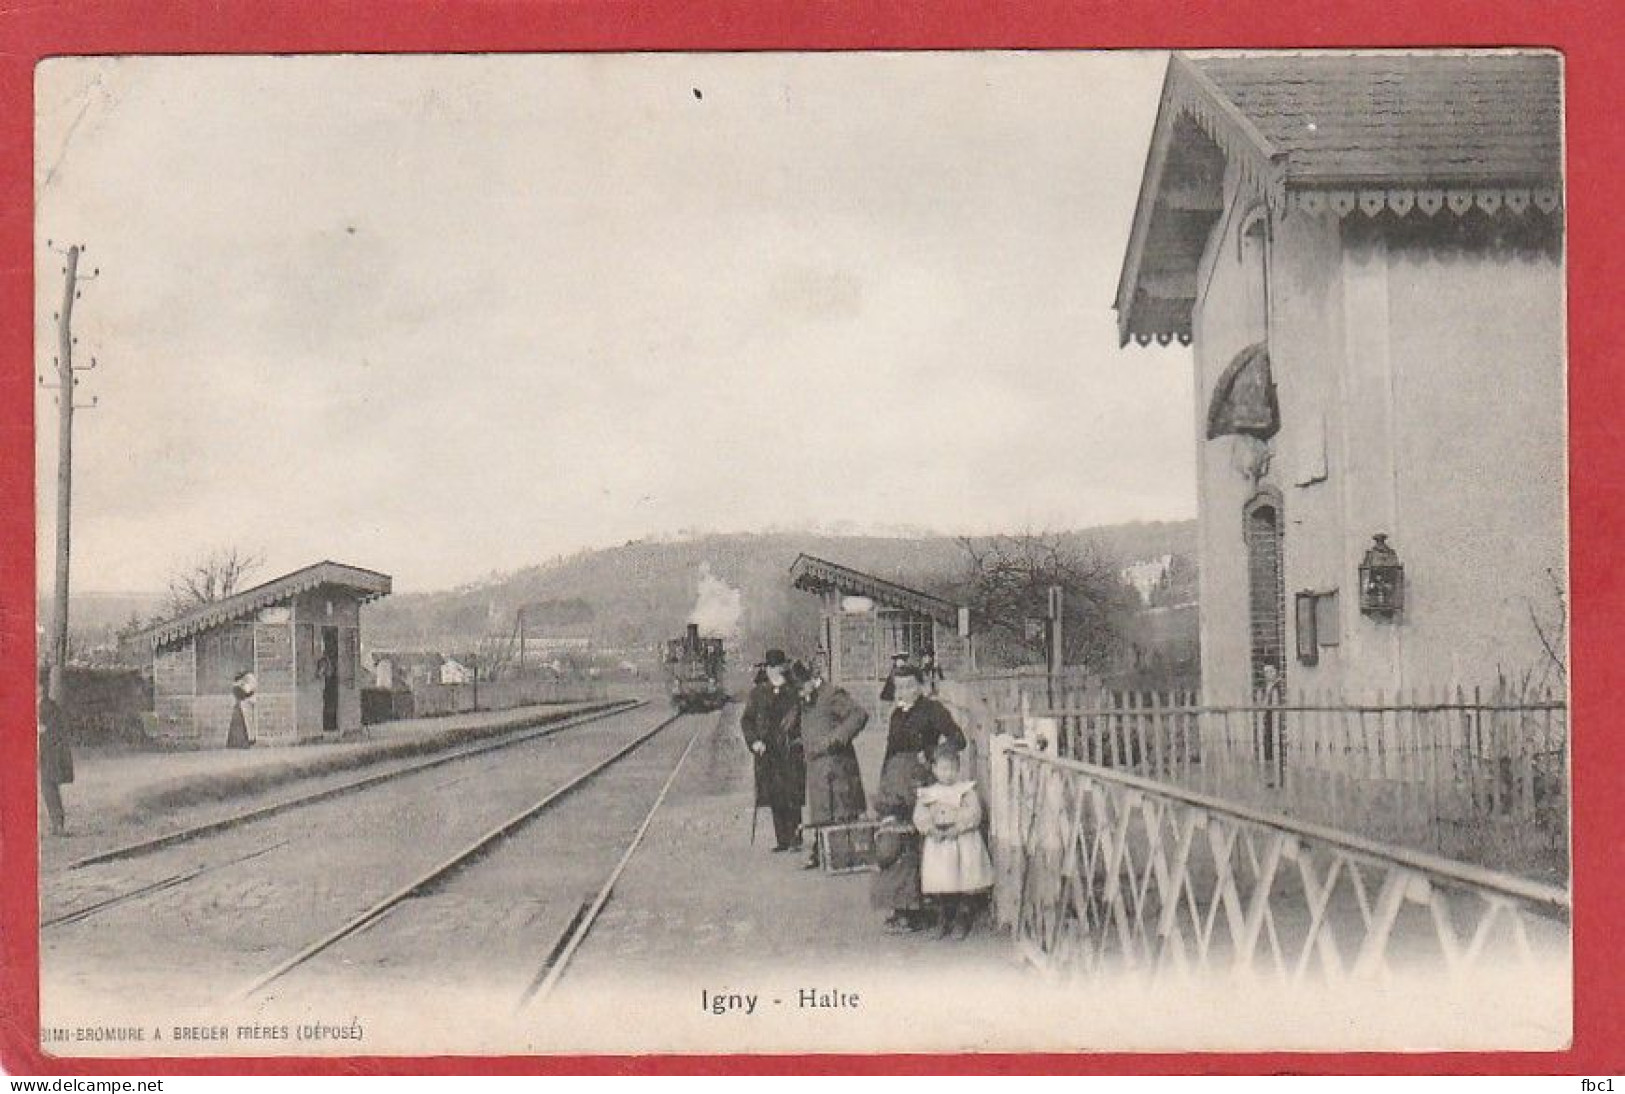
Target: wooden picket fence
x=1479 y=776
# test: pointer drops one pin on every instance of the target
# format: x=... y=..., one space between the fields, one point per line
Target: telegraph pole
x=65 y=384
x=1057 y=646
x=1057 y=649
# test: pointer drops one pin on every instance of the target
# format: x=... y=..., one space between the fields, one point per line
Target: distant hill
x=644 y=591
x=640 y=593
x=95 y=618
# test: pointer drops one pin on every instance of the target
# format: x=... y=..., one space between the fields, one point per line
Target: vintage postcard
x=869 y=552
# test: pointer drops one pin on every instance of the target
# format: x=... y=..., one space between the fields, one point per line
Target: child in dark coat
x=896 y=888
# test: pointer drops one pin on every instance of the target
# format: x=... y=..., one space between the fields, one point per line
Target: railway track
x=576 y=930
x=248 y=816
x=170 y=881
x=532 y=856
x=486 y=757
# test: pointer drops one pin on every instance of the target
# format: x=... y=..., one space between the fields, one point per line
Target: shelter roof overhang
x=364 y=584
x=817 y=575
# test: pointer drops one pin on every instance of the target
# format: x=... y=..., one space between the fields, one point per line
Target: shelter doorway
x=330 y=680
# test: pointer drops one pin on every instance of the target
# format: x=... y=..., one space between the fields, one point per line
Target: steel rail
x=576 y=931
x=78 y=915
x=450 y=865
x=209 y=828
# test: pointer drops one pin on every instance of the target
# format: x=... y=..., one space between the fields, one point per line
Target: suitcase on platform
x=847 y=848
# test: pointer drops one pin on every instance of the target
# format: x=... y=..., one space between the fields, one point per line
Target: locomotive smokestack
x=693 y=635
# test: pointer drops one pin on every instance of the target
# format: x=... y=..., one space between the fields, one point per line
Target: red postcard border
x=1589 y=33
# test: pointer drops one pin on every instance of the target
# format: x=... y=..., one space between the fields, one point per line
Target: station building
x=300 y=635
x=1365 y=253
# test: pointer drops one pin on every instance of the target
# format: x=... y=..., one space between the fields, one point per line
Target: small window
x=222 y=653
x=1317 y=622
x=1328 y=630
x=1308 y=645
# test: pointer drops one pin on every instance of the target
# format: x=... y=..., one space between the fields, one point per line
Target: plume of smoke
x=718 y=607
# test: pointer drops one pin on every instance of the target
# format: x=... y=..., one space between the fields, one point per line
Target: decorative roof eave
x=369 y=584
x=1164 y=320
x=1266 y=171
x=1188 y=92
x=818 y=575
x=1260 y=165
x=1374 y=197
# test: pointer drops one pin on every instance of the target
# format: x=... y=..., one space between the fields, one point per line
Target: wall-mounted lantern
x=1382 y=580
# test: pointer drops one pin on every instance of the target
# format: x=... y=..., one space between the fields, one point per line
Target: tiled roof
x=1402 y=118
x=1412 y=134
x=368 y=583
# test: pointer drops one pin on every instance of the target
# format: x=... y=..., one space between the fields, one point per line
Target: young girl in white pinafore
x=954 y=865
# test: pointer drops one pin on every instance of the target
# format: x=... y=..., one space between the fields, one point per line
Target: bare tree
x=1006 y=585
x=1552 y=629
x=210 y=577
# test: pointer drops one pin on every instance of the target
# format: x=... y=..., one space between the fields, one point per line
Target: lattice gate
x=1103 y=871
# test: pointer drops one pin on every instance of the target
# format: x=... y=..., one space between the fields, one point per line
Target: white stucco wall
x=1421 y=395
x=1480 y=479
x=1229 y=316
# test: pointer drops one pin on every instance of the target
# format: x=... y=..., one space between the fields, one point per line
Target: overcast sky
x=447 y=316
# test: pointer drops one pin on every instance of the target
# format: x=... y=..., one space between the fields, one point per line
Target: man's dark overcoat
x=829 y=721
x=773 y=716
x=55 y=756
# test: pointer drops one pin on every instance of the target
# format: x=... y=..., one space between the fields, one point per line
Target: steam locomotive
x=696 y=667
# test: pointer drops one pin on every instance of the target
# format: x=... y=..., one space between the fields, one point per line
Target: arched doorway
x=1266 y=590
x=1263 y=526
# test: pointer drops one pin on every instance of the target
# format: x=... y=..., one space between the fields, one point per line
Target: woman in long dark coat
x=830 y=719
x=771 y=725
x=918 y=723
x=242 y=690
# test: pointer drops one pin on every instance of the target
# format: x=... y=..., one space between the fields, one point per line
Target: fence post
x=1004 y=824
x=1159 y=767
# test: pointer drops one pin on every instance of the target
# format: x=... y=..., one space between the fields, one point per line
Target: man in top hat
x=771 y=724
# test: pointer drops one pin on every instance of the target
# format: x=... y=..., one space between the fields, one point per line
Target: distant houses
x=547 y=629
x=404 y=671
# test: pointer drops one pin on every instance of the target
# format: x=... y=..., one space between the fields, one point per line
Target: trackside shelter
x=301 y=637
x=867 y=619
